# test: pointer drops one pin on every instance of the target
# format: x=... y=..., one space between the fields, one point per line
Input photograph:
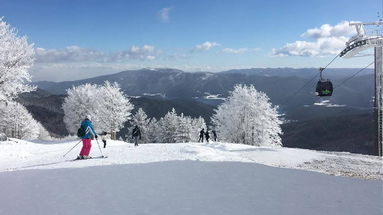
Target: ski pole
x=72 y=148
x=99 y=147
x=96 y=141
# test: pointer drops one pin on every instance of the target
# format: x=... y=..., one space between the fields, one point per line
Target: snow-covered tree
x=183 y=131
x=107 y=106
x=154 y=131
x=248 y=117
x=173 y=128
x=16 y=57
x=169 y=125
x=43 y=133
x=80 y=102
x=17 y=122
x=141 y=120
x=113 y=107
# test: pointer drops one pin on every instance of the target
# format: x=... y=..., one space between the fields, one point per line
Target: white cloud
x=164 y=14
x=326 y=30
x=74 y=62
x=75 y=71
x=321 y=47
x=205 y=46
x=239 y=51
x=327 y=40
x=146 y=52
x=74 y=54
x=68 y=54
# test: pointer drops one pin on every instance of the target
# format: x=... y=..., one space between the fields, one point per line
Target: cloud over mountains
x=326 y=40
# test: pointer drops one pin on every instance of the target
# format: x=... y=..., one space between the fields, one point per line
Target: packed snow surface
x=175 y=179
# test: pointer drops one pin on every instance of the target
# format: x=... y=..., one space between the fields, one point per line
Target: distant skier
x=89 y=134
x=201 y=134
x=103 y=138
x=214 y=135
x=207 y=136
x=136 y=133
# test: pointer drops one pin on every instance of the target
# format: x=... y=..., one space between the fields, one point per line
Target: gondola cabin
x=324 y=88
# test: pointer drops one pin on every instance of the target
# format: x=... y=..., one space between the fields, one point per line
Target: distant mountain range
x=205 y=86
x=337 y=73
x=195 y=94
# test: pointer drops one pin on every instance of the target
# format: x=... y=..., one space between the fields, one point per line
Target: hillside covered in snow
x=186 y=178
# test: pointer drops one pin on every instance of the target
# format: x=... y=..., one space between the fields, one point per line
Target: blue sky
x=89 y=38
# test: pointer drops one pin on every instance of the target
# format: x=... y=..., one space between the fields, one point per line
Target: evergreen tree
x=141 y=120
x=154 y=131
x=175 y=128
x=182 y=133
x=17 y=122
x=169 y=124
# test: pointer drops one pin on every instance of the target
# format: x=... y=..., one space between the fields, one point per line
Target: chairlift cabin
x=324 y=87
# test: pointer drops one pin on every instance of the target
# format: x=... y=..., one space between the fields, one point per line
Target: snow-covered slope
x=47 y=155
x=174 y=179
x=187 y=188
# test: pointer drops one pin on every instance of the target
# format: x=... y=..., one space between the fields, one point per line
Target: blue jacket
x=88 y=128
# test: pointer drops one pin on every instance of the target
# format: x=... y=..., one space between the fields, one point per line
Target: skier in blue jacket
x=87 y=126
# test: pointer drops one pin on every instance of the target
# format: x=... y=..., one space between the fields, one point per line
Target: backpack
x=80 y=132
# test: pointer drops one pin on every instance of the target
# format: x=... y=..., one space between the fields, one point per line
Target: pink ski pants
x=86 y=145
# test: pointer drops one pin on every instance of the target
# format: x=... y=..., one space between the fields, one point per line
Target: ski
x=97 y=157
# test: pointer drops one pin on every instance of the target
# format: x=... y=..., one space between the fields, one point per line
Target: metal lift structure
x=354 y=46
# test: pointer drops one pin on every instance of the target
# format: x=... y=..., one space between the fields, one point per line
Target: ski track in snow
x=22 y=155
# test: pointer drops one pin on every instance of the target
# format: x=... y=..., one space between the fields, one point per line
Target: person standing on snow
x=201 y=134
x=90 y=133
x=207 y=136
x=136 y=133
x=103 y=138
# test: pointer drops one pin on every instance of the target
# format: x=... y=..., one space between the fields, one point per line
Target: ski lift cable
x=290 y=98
x=331 y=62
x=352 y=76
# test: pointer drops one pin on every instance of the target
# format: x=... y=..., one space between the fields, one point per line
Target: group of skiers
x=89 y=133
x=206 y=134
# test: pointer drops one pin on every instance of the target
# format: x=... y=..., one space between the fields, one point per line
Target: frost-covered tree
x=248 y=117
x=16 y=57
x=154 y=131
x=80 y=102
x=141 y=120
x=175 y=128
x=184 y=128
x=169 y=125
x=107 y=106
x=113 y=108
x=43 y=133
x=17 y=122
